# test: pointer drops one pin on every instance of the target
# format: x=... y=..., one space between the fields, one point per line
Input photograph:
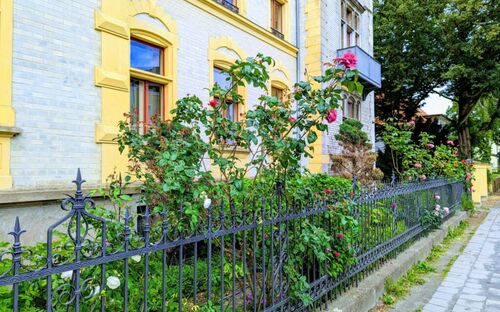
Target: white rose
x=437 y=207
x=207 y=203
x=136 y=258
x=446 y=210
x=67 y=275
x=113 y=282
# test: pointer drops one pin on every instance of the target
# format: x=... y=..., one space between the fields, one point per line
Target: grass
x=395 y=290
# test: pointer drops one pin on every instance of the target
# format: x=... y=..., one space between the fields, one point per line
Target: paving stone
x=473 y=282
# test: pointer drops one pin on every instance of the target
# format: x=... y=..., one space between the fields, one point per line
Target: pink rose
x=340 y=236
x=292 y=119
x=418 y=165
x=331 y=116
x=430 y=146
x=213 y=103
x=423 y=177
x=348 y=60
x=450 y=143
x=468 y=176
x=411 y=123
x=328 y=191
x=337 y=254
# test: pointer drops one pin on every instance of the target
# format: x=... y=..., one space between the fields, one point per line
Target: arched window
x=352 y=107
x=222 y=53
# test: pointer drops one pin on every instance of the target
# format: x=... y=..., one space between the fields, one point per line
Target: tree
x=447 y=45
x=357 y=158
x=407 y=44
x=471 y=35
x=484 y=126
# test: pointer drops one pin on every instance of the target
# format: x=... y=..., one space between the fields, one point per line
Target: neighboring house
x=70 y=70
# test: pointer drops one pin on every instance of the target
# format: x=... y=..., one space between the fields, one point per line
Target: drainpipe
x=297 y=38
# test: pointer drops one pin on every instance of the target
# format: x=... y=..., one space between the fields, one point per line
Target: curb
x=370 y=289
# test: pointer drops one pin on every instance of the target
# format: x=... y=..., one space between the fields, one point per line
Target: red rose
x=337 y=254
x=292 y=119
x=331 y=116
x=213 y=103
x=328 y=191
x=340 y=236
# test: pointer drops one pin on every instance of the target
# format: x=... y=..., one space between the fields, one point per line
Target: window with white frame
x=350 y=23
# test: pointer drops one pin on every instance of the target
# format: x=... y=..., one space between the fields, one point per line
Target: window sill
x=9 y=131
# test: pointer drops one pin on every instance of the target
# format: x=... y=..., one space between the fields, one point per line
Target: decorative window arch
x=120 y=23
x=222 y=53
x=352 y=106
x=279 y=80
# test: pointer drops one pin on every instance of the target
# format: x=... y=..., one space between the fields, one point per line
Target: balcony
x=229 y=4
x=369 y=69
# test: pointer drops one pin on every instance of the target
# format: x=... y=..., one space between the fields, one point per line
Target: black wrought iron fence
x=238 y=258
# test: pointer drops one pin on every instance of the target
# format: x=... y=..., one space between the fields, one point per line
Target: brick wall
x=55 y=49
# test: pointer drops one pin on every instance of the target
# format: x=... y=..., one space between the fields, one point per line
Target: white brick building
x=66 y=74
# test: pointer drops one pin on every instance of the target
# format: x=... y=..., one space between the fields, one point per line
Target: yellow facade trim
x=244 y=24
x=217 y=58
x=104 y=22
x=279 y=76
x=7 y=112
x=118 y=22
x=480 y=181
x=111 y=80
x=314 y=67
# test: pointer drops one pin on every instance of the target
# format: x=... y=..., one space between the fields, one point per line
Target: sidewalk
x=473 y=282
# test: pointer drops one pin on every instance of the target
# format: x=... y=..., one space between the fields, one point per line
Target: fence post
x=16 y=260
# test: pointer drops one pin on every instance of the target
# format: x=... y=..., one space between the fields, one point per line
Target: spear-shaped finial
x=16 y=233
x=78 y=181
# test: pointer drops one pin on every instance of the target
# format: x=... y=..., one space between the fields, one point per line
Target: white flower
x=207 y=203
x=437 y=197
x=437 y=207
x=67 y=275
x=136 y=258
x=446 y=210
x=113 y=282
x=436 y=213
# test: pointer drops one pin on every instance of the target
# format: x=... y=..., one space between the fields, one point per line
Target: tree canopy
x=450 y=47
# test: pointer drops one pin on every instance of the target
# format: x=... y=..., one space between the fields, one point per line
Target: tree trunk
x=464 y=140
x=465 y=146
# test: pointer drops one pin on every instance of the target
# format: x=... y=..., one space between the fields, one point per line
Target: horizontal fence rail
x=237 y=257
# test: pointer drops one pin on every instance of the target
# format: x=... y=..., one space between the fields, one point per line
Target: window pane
x=136 y=100
x=221 y=79
x=231 y=114
x=277 y=92
x=145 y=57
x=154 y=101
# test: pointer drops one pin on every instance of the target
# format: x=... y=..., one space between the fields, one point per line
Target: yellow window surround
x=118 y=22
x=7 y=113
x=246 y=25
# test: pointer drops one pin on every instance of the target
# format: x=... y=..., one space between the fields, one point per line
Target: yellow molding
x=7 y=112
x=109 y=24
x=245 y=25
x=118 y=23
x=144 y=75
x=106 y=134
x=314 y=67
x=111 y=80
